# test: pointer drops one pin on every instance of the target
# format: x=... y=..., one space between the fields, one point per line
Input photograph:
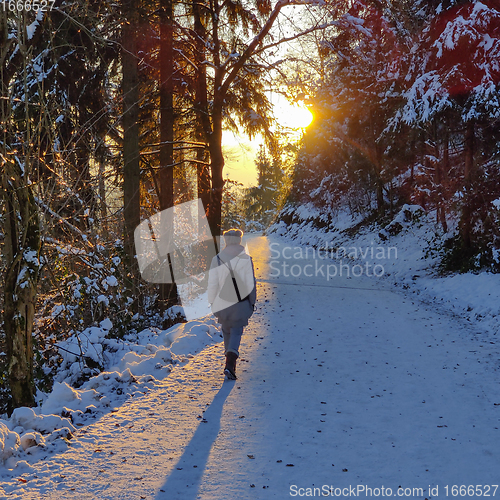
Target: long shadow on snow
x=184 y=481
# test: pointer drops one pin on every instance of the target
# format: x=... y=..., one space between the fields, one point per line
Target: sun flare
x=301 y=117
x=294 y=116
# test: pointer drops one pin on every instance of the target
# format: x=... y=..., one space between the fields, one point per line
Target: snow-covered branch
x=56 y=216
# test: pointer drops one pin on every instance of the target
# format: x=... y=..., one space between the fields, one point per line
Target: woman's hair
x=232 y=236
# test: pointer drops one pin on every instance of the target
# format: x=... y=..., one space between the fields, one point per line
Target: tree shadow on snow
x=184 y=481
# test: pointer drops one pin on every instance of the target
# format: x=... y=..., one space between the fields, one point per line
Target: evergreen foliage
x=407 y=111
x=262 y=202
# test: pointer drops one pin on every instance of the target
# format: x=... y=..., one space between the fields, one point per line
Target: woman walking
x=232 y=294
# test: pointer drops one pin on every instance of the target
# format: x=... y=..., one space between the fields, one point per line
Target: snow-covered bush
x=130 y=366
x=83 y=287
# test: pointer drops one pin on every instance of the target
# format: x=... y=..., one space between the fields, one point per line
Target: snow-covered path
x=341 y=383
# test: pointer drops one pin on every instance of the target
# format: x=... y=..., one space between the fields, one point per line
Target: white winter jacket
x=232 y=314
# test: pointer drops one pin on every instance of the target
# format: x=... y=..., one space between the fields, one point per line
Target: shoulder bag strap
x=228 y=265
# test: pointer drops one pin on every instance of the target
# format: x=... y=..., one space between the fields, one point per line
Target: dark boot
x=230 y=369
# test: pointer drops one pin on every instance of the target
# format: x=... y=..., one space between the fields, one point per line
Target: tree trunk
x=469 y=172
x=216 y=166
x=222 y=82
x=377 y=160
x=442 y=178
x=203 y=126
x=168 y=291
x=103 y=210
x=131 y=166
x=4 y=84
x=379 y=181
x=21 y=228
x=469 y=177
x=215 y=138
x=22 y=253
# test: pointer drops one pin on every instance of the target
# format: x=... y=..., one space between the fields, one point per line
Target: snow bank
x=9 y=442
x=26 y=418
x=129 y=366
x=64 y=396
x=27 y=433
x=473 y=296
x=149 y=352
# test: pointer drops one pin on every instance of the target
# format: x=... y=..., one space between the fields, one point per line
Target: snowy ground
x=344 y=383
x=409 y=258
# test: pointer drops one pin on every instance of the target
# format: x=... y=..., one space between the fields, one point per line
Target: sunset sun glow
x=294 y=116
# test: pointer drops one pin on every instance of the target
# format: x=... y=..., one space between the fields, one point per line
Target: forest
x=113 y=111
